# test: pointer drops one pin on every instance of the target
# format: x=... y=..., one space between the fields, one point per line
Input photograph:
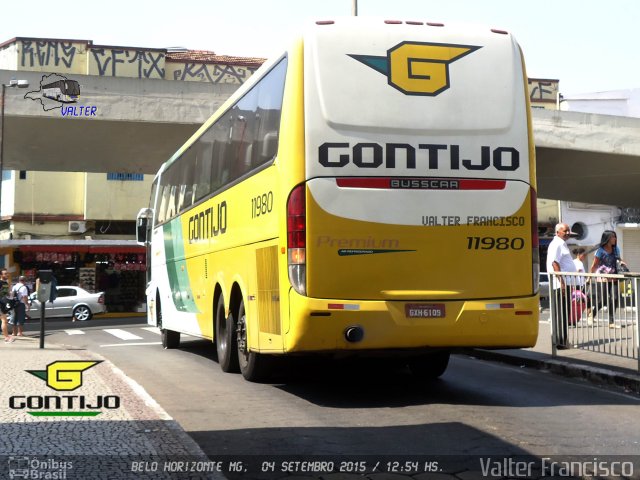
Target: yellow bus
x=370 y=191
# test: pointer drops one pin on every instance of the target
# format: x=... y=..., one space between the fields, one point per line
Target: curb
x=120 y=314
x=593 y=374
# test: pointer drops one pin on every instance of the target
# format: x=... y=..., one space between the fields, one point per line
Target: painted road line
x=122 y=334
x=75 y=331
x=130 y=344
x=155 y=330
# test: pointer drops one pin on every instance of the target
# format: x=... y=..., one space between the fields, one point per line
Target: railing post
x=552 y=306
x=636 y=318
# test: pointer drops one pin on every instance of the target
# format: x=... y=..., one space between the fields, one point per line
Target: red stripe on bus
x=385 y=182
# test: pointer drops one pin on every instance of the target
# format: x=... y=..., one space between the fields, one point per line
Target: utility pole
x=354 y=8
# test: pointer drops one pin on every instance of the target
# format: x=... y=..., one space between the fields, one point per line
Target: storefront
x=115 y=267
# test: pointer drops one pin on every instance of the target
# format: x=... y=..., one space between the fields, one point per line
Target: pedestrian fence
x=596 y=312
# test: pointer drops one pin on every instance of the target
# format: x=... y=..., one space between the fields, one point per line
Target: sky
x=588 y=45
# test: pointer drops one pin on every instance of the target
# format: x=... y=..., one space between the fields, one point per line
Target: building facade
x=82 y=225
x=591 y=220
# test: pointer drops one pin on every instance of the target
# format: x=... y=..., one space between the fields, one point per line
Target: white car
x=70 y=302
x=544 y=285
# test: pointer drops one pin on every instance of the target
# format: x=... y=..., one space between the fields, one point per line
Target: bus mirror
x=141 y=230
x=142 y=225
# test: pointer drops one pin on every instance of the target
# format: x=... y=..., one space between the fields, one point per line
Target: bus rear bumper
x=330 y=325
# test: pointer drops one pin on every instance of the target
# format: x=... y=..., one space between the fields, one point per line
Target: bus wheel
x=254 y=366
x=170 y=339
x=429 y=366
x=226 y=344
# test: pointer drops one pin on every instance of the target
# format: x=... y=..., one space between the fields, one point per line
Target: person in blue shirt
x=606 y=261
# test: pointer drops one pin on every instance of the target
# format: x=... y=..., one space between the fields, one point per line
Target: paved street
x=357 y=419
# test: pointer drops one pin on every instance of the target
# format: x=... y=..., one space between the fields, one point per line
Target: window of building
x=136 y=177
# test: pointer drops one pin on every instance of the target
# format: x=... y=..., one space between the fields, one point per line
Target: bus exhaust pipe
x=354 y=334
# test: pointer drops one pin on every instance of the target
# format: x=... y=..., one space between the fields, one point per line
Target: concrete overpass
x=137 y=124
x=140 y=123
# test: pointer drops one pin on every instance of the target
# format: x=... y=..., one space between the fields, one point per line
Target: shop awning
x=74 y=246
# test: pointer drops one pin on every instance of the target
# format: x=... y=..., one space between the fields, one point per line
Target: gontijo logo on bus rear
x=417 y=68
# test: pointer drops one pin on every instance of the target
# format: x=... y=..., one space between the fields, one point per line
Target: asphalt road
x=350 y=409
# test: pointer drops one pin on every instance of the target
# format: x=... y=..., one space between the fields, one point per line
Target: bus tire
x=429 y=366
x=226 y=344
x=253 y=366
x=170 y=339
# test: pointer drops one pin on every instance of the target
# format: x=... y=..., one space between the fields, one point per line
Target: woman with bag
x=4 y=299
x=606 y=261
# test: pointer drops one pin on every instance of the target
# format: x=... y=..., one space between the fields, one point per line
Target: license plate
x=424 y=310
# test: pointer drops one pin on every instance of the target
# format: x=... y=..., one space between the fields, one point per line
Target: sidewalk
x=600 y=368
x=117 y=430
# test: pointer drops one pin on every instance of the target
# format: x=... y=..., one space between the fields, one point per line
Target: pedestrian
x=606 y=261
x=580 y=254
x=559 y=259
x=4 y=297
x=579 y=299
x=21 y=293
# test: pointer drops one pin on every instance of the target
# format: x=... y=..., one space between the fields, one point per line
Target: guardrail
x=595 y=312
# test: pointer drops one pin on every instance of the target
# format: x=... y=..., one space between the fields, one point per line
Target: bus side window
x=171 y=202
x=218 y=177
x=164 y=203
x=187 y=173
x=269 y=146
x=202 y=167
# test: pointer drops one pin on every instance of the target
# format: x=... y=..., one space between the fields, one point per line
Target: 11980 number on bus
x=495 y=243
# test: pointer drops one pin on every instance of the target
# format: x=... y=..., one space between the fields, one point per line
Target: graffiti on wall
x=542 y=90
x=120 y=62
x=84 y=58
x=203 y=72
x=47 y=54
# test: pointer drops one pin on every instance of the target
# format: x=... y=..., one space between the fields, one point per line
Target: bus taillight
x=296 y=239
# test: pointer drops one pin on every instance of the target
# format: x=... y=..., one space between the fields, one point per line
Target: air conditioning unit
x=77 y=227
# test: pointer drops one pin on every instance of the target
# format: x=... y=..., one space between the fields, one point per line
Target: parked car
x=544 y=285
x=70 y=302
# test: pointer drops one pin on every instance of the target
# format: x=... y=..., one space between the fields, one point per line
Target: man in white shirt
x=559 y=259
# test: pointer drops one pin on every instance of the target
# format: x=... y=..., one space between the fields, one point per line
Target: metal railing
x=596 y=312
